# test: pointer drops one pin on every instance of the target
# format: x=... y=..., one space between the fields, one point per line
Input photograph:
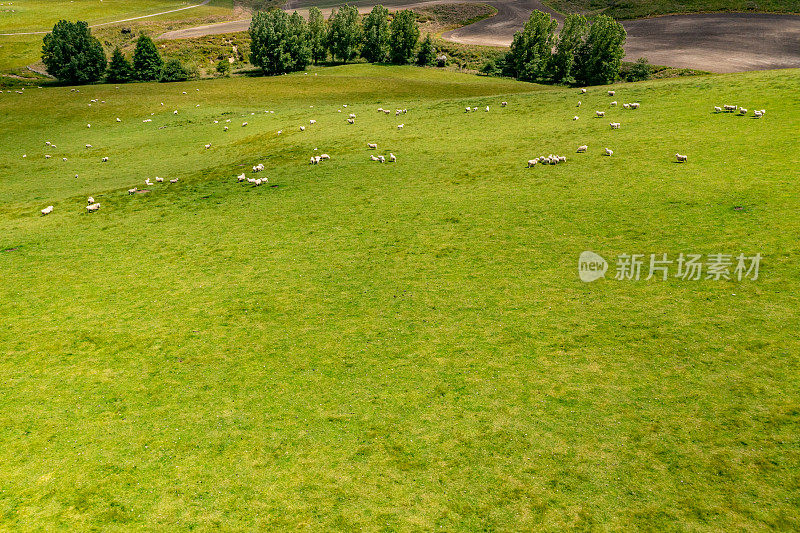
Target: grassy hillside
x=632 y=9
x=399 y=346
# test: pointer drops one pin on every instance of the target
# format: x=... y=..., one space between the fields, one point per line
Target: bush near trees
x=427 y=52
x=174 y=70
x=147 y=62
x=403 y=37
x=344 y=34
x=317 y=34
x=640 y=71
x=224 y=67
x=376 y=35
x=72 y=54
x=279 y=42
x=119 y=68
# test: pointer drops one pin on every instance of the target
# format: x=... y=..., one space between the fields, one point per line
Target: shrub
x=640 y=71
x=119 y=68
x=224 y=67
x=174 y=70
x=71 y=54
x=147 y=62
x=426 y=52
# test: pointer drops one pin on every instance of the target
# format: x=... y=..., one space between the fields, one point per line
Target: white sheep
x=757 y=114
x=118 y=119
x=47 y=156
x=372 y=146
x=487 y=108
x=47 y=210
x=373 y=158
x=312 y=121
x=575 y=117
x=90 y=200
x=583 y=91
x=88 y=125
x=611 y=93
x=400 y=126
x=208 y=146
x=635 y=105
x=132 y=191
x=503 y=104
x=609 y=152
x=351 y=121
x=302 y=128
x=392 y=158
x=582 y=148
x=614 y=103
x=148 y=182
x=324 y=157
x=91 y=208
x=174 y=180
x=532 y=162
x=579 y=103
x=47 y=143
x=63 y=158
x=175 y=112
x=241 y=177
x=381 y=159
x=626 y=106
x=105 y=160
x=314 y=161
x=159 y=180
x=468 y=109
x=614 y=125
x=88 y=146
x=600 y=114
x=742 y=111
x=244 y=124
x=225 y=128
x=717 y=109
x=681 y=158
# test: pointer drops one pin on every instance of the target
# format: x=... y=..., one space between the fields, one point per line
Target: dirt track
x=722 y=42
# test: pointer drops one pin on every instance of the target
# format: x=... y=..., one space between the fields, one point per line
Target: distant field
x=632 y=9
x=402 y=346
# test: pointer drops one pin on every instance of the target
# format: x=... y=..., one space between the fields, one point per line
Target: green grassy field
x=397 y=347
x=633 y=9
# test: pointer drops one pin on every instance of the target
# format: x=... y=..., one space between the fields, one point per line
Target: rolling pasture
x=402 y=346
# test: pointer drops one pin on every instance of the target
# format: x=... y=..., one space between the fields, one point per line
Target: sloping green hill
x=399 y=346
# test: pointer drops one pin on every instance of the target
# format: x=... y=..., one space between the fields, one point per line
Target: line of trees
x=582 y=54
x=73 y=55
x=283 y=43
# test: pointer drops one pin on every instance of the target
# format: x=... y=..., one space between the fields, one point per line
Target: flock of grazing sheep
x=549 y=159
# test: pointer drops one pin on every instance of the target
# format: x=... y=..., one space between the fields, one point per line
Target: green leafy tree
x=71 y=54
x=599 y=58
x=532 y=48
x=174 y=70
x=403 y=37
x=279 y=42
x=147 y=62
x=317 y=35
x=571 y=37
x=376 y=35
x=119 y=68
x=427 y=52
x=344 y=35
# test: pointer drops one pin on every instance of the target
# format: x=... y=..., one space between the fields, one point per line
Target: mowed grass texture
x=396 y=347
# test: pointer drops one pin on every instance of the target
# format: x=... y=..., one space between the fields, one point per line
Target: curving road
x=721 y=42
